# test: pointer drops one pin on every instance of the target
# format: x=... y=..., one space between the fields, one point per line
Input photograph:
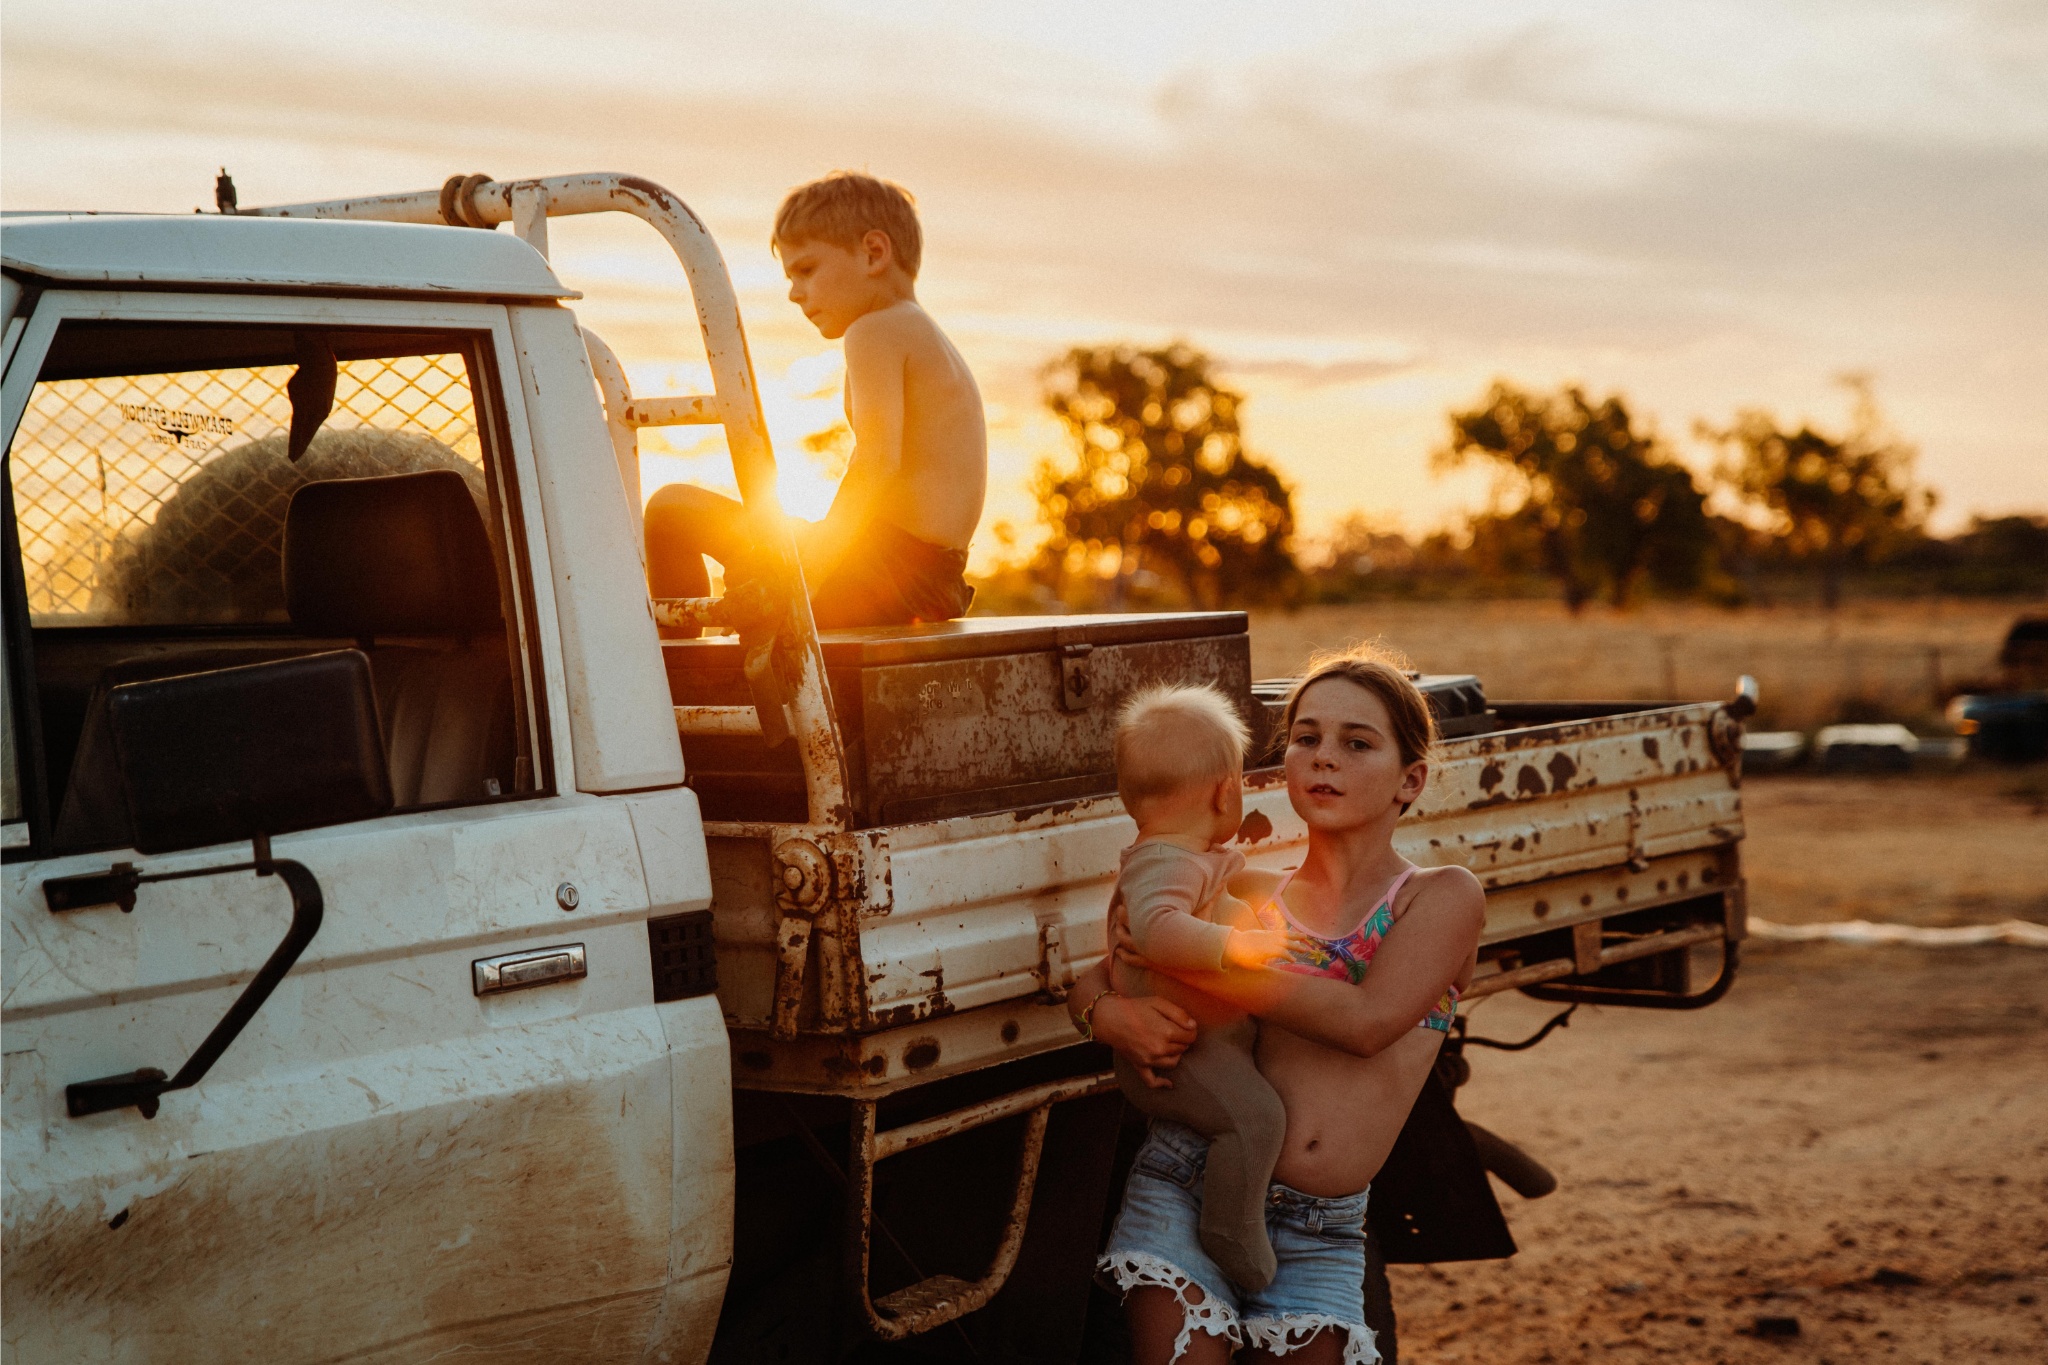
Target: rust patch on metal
x=662 y=199
x=1529 y=782
x=921 y=1054
x=1490 y=776
x=936 y=1008
x=1651 y=748
x=1256 y=826
x=1011 y=1029
x=1562 y=770
x=1542 y=908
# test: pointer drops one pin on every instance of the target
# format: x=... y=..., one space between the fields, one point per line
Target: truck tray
x=944 y=944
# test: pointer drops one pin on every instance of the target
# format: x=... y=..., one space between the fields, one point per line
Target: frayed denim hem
x=1142 y=1270
x=1291 y=1331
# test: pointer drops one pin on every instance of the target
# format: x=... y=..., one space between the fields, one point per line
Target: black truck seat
x=405 y=557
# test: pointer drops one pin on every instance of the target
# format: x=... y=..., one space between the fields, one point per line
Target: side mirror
x=1742 y=705
x=222 y=756
x=231 y=754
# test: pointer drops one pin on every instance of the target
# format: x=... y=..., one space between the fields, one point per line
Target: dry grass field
x=1875 y=660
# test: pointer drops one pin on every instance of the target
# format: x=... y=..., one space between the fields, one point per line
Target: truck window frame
x=484 y=331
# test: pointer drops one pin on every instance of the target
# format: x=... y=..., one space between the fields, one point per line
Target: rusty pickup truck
x=409 y=953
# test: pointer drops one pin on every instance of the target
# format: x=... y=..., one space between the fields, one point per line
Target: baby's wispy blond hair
x=1170 y=737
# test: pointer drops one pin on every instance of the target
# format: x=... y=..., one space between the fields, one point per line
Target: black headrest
x=404 y=554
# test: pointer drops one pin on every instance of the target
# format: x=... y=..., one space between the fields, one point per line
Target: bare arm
x=876 y=357
x=1430 y=947
x=1150 y=1032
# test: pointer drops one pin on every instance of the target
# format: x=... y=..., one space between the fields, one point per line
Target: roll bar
x=785 y=667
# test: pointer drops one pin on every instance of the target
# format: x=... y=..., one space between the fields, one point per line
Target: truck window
x=153 y=483
x=159 y=499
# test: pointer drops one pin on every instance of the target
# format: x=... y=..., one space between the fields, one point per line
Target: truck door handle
x=535 y=967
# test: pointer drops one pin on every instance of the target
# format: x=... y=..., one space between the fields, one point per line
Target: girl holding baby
x=1347 y=1049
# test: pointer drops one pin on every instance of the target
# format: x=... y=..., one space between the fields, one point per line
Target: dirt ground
x=1844 y=1160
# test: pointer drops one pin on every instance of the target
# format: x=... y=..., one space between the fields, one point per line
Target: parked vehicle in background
x=2010 y=724
x=636 y=1000
x=2005 y=727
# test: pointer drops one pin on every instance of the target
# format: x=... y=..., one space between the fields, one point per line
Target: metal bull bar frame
x=785 y=668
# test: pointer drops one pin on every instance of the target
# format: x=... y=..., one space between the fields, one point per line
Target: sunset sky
x=1365 y=211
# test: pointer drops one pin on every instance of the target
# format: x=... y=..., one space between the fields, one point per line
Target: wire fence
x=95 y=463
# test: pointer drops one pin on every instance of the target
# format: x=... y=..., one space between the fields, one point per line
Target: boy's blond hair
x=1169 y=737
x=844 y=207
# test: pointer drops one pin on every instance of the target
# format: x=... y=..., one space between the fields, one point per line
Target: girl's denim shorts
x=1319 y=1244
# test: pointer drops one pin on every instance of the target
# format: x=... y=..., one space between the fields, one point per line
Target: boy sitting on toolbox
x=893 y=548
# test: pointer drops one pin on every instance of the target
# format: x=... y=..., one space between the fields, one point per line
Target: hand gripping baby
x=1190 y=903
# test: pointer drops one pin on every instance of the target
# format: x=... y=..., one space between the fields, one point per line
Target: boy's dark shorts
x=891 y=578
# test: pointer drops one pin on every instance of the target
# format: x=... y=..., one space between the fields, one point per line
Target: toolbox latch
x=1077 y=685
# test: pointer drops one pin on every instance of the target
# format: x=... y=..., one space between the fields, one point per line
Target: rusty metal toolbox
x=960 y=717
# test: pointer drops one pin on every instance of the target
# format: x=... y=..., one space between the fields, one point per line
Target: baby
x=1189 y=903
x=893 y=548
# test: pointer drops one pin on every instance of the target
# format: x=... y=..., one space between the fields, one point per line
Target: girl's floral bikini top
x=1347 y=958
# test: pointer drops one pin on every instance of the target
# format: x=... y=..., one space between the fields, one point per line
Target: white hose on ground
x=2019 y=931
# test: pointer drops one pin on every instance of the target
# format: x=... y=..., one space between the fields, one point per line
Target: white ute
x=381 y=982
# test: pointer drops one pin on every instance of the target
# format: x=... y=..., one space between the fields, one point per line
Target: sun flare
x=806 y=430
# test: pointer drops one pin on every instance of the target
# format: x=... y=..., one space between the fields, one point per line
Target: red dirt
x=1856 y=1138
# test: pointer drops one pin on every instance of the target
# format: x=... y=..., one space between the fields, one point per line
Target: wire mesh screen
x=160 y=498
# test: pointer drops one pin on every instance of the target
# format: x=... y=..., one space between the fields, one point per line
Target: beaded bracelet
x=1086 y=1023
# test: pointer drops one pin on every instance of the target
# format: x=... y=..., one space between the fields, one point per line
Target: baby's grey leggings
x=1218 y=1092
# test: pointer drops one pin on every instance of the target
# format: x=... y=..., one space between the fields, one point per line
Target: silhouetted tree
x=1837 y=503
x=1158 y=481
x=1606 y=504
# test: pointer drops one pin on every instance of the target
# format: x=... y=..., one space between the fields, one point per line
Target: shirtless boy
x=893 y=548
